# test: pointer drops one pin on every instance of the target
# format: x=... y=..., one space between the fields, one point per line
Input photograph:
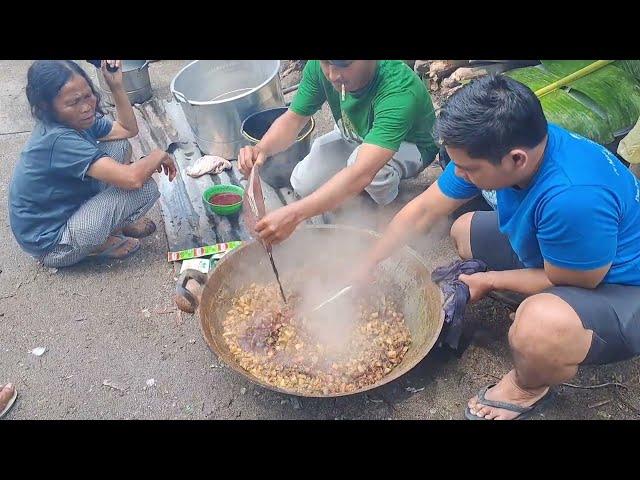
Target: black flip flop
x=524 y=412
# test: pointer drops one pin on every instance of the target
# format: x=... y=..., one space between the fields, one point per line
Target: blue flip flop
x=107 y=253
x=524 y=412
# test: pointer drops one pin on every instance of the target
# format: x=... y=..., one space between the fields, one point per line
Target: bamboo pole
x=597 y=65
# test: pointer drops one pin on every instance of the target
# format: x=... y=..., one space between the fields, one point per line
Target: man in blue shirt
x=566 y=234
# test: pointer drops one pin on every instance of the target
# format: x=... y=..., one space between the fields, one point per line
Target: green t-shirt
x=395 y=107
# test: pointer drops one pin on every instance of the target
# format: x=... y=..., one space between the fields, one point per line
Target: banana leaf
x=630 y=66
x=615 y=92
x=564 y=109
x=565 y=67
x=600 y=106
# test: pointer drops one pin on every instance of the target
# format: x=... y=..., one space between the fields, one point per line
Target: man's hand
x=480 y=285
x=279 y=224
x=248 y=157
x=168 y=166
x=114 y=80
x=362 y=277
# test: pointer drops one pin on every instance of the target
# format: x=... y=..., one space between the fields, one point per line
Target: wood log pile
x=445 y=77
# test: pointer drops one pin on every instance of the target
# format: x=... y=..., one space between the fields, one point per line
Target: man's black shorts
x=611 y=311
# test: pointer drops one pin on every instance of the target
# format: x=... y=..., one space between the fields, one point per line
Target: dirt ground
x=116 y=349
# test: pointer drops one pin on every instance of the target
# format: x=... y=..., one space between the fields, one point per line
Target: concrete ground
x=110 y=328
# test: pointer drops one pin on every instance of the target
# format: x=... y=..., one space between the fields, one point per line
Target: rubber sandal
x=148 y=229
x=524 y=412
x=108 y=253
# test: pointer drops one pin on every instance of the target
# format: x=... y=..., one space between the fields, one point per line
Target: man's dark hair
x=340 y=63
x=491 y=116
x=45 y=78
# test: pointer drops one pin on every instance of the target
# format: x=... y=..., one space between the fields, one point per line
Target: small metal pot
x=135 y=79
x=277 y=170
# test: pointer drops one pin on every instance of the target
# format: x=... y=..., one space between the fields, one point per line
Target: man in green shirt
x=383 y=133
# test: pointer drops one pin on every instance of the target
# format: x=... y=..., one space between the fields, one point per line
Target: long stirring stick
x=339 y=294
x=254 y=179
x=275 y=270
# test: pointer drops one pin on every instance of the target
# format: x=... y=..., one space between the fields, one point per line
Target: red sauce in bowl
x=225 y=199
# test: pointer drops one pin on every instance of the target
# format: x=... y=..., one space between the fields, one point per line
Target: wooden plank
x=226 y=228
x=188 y=223
x=184 y=216
x=176 y=117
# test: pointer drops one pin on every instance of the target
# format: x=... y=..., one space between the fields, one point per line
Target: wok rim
x=428 y=346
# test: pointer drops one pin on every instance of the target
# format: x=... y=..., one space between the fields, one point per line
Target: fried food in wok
x=273 y=342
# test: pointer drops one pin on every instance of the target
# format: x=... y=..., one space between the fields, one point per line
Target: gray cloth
x=456 y=296
x=112 y=208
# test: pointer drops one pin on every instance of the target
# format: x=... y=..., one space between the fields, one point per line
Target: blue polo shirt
x=581 y=211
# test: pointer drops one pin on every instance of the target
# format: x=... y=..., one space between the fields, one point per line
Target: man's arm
x=583 y=279
x=577 y=234
x=531 y=281
x=282 y=133
x=347 y=183
x=280 y=136
x=417 y=216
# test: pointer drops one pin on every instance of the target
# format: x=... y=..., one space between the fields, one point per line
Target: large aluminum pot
x=277 y=170
x=217 y=95
x=135 y=80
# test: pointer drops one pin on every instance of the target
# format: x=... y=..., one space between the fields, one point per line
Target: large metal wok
x=326 y=248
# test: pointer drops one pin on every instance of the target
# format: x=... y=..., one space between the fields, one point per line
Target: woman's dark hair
x=45 y=78
x=491 y=116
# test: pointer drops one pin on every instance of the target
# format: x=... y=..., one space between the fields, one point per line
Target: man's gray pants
x=331 y=152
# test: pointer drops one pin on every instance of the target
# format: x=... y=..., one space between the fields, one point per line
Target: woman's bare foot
x=117 y=247
x=7 y=393
x=139 y=229
x=506 y=390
